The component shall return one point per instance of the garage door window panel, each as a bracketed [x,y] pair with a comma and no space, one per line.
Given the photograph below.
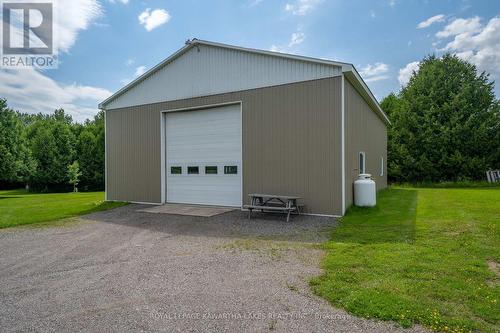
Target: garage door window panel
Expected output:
[231,170]
[193,170]
[176,170]
[211,170]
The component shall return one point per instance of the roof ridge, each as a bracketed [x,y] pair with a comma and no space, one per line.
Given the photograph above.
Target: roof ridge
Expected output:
[266,52]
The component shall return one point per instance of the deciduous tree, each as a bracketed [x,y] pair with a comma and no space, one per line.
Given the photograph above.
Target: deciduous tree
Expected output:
[445,123]
[16,163]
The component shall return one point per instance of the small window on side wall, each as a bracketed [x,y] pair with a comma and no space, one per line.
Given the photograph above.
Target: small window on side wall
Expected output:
[193,170]
[211,170]
[381,166]
[176,170]
[231,170]
[362,162]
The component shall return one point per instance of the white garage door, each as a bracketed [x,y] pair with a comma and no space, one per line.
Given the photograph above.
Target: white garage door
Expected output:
[203,154]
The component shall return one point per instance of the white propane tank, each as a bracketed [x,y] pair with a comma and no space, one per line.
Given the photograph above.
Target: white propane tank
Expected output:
[365,192]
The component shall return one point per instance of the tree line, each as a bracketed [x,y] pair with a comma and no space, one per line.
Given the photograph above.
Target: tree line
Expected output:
[445,126]
[50,152]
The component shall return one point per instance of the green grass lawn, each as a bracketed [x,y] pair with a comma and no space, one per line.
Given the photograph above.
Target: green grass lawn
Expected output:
[18,207]
[421,256]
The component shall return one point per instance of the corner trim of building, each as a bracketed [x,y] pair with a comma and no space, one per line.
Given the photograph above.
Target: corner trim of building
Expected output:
[105,158]
[162,158]
[343,145]
[241,154]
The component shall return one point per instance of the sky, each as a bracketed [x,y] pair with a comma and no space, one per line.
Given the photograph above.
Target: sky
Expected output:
[104,44]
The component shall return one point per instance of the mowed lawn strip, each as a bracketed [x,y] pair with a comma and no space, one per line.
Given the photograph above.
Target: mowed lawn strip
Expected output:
[18,207]
[421,256]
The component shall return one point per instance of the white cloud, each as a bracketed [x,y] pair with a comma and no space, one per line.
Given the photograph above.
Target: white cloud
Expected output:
[376,78]
[392,3]
[460,26]
[276,48]
[329,59]
[430,21]
[406,72]
[297,38]
[130,62]
[153,19]
[124,82]
[28,90]
[372,14]
[375,72]
[140,70]
[121,1]
[72,17]
[302,7]
[476,43]
[375,69]
[255,3]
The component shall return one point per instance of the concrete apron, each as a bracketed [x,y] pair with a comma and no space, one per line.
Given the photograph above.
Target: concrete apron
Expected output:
[189,210]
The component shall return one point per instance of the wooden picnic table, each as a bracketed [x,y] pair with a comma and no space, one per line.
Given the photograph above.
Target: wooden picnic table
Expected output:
[274,203]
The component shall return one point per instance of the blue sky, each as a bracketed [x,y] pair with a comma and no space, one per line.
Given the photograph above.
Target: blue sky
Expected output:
[108,43]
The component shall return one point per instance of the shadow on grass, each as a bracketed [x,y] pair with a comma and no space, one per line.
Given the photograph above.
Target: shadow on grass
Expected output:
[2,197]
[391,221]
[102,206]
[451,185]
[14,192]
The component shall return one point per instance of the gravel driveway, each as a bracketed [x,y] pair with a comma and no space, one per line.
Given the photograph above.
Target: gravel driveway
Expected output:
[124,270]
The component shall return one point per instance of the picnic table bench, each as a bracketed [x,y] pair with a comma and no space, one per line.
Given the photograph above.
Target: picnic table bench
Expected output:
[273,203]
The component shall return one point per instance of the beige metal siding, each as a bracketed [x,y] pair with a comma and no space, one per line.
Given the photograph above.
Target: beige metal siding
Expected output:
[291,143]
[365,131]
[133,154]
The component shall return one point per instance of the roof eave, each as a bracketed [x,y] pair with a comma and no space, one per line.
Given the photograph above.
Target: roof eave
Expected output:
[270,53]
[351,73]
[144,76]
